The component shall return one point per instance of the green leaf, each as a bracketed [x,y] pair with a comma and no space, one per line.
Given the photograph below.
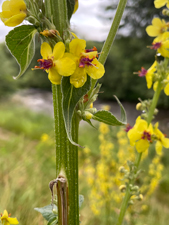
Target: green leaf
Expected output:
[47,212]
[108,118]
[20,42]
[70,98]
[70,7]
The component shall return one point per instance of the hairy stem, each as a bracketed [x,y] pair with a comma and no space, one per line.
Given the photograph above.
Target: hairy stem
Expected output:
[66,156]
[111,36]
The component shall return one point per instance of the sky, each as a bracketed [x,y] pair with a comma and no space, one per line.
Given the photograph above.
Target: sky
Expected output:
[85,22]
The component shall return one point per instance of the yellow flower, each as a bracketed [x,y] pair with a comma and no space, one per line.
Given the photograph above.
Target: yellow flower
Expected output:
[161,44]
[44,137]
[148,74]
[161,139]
[6,220]
[86,63]
[13,12]
[160,3]
[76,6]
[140,135]
[157,28]
[56,63]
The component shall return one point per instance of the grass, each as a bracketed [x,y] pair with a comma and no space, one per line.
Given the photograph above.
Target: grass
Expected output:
[27,164]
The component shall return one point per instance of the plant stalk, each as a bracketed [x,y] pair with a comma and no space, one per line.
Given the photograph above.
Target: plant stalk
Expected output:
[111,36]
[66,156]
[138,159]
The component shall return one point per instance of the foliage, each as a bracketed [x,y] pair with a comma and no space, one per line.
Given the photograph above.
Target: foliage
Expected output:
[102,174]
[18,186]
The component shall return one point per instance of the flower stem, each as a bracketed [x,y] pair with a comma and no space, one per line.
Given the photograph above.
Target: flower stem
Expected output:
[66,153]
[66,156]
[111,36]
[138,159]
[154,103]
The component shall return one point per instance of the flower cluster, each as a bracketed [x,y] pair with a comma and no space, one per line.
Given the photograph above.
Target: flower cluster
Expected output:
[76,63]
[142,135]
[158,73]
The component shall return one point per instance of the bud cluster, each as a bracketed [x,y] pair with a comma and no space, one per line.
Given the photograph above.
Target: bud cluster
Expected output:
[85,107]
[144,106]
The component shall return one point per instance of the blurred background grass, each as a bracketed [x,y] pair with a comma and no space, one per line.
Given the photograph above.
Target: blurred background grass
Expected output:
[27,164]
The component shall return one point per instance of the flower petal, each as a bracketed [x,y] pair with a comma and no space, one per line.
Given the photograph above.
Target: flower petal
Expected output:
[54,77]
[158,147]
[15,20]
[96,71]
[152,31]
[59,50]
[166,89]
[17,6]
[79,77]
[5,215]
[5,6]
[77,46]
[65,66]
[159,3]
[46,50]
[133,136]
[12,220]
[142,145]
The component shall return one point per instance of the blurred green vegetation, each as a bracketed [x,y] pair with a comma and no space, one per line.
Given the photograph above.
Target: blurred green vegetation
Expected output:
[27,164]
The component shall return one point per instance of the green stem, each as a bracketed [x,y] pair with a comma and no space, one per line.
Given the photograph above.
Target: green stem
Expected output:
[138,159]
[111,36]
[154,103]
[66,153]
[66,156]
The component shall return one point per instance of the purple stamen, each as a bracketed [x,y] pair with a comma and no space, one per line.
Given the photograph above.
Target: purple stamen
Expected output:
[156,45]
[146,135]
[45,63]
[85,61]
[143,72]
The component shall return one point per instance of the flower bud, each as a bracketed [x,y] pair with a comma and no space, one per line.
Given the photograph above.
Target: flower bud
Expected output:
[134,188]
[140,197]
[79,113]
[139,106]
[92,110]
[87,115]
[122,188]
[55,211]
[122,169]
[165,12]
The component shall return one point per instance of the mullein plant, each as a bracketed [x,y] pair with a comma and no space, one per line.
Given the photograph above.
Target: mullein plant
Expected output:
[143,134]
[73,71]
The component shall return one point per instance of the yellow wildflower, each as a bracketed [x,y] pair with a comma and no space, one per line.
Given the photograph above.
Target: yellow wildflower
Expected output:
[157,28]
[44,137]
[6,220]
[104,128]
[140,135]
[13,12]
[161,44]
[86,63]
[56,63]
[160,3]
[161,139]
[148,74]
